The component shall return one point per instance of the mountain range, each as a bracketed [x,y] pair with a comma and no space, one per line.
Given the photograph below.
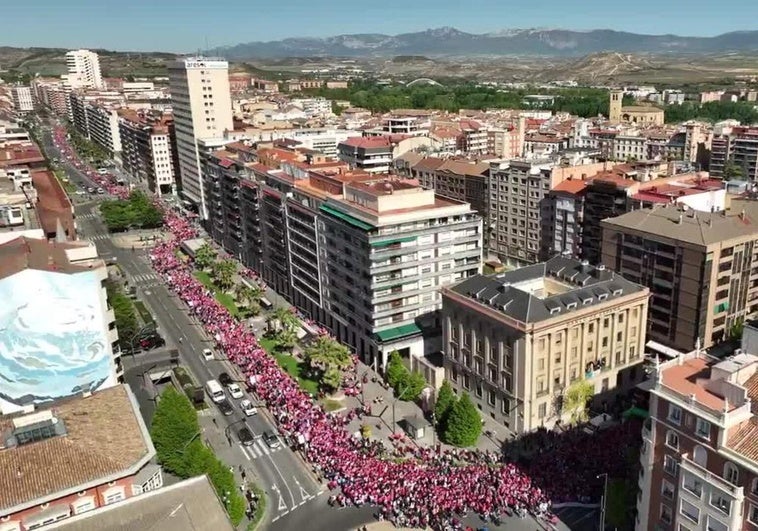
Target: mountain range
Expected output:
[449,41]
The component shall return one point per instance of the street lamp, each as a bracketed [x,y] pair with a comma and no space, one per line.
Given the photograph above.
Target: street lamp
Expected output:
[184,448]
[604,501]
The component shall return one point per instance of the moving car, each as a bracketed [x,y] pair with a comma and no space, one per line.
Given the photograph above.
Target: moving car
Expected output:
[102,171]
[247,408]
[235,391]
[207,354]
[271,439]
[215,391]
[245,436]
[225,407]
[224,379]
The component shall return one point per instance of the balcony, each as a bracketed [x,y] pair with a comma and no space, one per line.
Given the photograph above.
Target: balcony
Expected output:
[690,466]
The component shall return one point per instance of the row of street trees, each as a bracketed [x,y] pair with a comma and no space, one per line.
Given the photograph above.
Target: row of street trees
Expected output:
[137,212]
[177,438]
[222,272]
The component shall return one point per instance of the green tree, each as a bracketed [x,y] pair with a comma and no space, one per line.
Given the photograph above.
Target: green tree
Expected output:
[397,373]
[124,313]
[733,171]
[205,256]
[414,384]
[173,428]
[327,359]
[445,400]
[283,325]
[575,401]
[223,273]
[463,423]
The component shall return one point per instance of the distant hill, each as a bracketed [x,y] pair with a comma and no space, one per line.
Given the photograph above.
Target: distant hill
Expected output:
[452,42]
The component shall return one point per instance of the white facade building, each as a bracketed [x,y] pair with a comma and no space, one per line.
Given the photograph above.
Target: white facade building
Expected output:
[84,69]
[202,106]
[21,96]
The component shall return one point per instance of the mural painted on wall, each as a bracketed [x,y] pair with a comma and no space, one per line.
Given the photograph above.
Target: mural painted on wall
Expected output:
[53,337]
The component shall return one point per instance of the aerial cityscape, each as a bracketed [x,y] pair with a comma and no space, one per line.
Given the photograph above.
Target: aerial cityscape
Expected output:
[373,277]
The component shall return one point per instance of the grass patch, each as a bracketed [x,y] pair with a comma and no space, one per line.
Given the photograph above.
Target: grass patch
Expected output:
[331,405]
[226,300]
[268,344]
[296,369]
[620,498]
[260,509]
[144,313]
[65,182]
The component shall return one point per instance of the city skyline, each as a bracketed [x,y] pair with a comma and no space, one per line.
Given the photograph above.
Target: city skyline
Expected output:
[153,27]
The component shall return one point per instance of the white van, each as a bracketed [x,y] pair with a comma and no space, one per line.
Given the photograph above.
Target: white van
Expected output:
[215,391]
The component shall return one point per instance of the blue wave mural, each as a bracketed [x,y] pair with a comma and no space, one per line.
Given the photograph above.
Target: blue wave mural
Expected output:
[53,337]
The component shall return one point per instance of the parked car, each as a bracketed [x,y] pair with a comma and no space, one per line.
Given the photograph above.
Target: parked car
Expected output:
[271,439]
[225,407]
[247,408]
[245,436]
[224,379]
[90,190]
[100,191]
[235,391]
[207,354]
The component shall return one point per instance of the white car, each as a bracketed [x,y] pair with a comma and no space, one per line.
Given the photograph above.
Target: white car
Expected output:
[235,390]
[247,408]
[207,354]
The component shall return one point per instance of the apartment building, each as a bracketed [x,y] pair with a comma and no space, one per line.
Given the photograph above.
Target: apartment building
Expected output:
[389,245]
[699,460]
[519,209]
[202,107]
[517,340]
[698,266]
[735,154]
[361,254]
[102,126]
[21,98]
[564,230]
[74,456]
[83,69]
[148,152]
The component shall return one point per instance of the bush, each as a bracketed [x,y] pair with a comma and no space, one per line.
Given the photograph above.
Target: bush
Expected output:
[463,423]
[137,212]
[123,310]
[175,432]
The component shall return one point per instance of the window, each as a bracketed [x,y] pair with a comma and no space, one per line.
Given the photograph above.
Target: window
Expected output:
[669,465]
[591,328]
[113,496]
[731,473]
[692,484]
[715,525]
[82,506]
[675,414]
[672,440]
[542,411]
[721,501]
[666,515]
[752,514]
[700,456]
[703,428]
[689,511]
[667,490]
[754,487]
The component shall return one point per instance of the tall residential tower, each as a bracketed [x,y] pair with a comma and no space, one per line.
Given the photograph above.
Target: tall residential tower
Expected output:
[202,107]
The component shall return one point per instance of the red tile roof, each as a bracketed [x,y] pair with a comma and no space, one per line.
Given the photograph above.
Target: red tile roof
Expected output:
[571,186]
[53,205]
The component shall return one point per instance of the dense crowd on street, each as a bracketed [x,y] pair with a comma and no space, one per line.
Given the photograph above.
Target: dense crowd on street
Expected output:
[409,486]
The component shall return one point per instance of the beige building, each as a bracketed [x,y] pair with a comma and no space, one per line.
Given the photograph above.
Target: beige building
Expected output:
[517,340]
[698,265]
[634,114]
[202,106]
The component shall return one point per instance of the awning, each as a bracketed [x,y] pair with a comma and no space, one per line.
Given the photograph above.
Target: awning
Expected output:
[635,412]
[662,349]
[398,332]
[355,222]
[384,243]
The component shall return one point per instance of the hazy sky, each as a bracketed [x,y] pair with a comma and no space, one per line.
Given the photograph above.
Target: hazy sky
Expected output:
[186,25]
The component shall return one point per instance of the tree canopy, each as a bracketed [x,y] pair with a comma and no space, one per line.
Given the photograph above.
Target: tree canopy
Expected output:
[137,212]
[327,359]
[575,401]
[123,310]
[464,424]
[205,256]
[406,384]
[712,111]
[223,272]
[445,400]
[176,435]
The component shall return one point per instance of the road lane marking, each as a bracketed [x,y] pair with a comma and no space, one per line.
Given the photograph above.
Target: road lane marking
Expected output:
[303,494]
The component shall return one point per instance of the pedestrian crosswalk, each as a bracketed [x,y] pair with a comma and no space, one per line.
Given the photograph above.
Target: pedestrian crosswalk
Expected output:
[259,448]
[89,215]
[144,278]
[98,237]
